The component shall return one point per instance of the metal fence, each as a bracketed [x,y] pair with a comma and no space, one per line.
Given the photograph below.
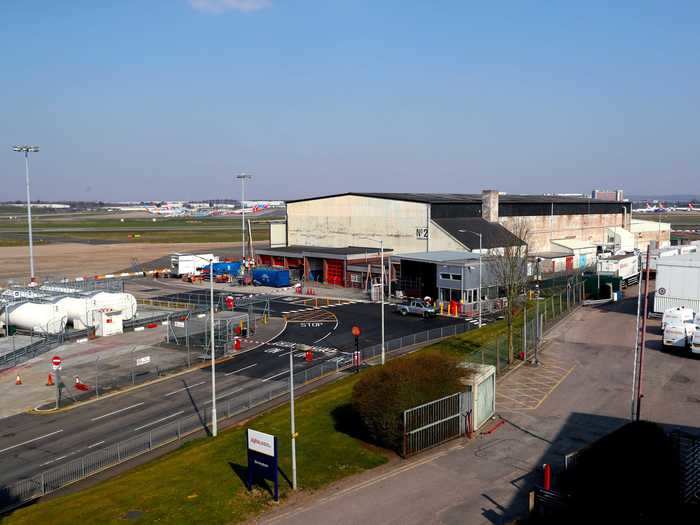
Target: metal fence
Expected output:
[433,423]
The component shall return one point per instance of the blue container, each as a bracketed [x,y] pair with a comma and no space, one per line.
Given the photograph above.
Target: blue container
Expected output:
[271,277]
[226,268]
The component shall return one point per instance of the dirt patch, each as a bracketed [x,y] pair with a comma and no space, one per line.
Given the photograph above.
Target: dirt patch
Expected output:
[55,261]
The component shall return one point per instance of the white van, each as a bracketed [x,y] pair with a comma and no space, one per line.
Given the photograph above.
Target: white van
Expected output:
[678,315]
[679,335]
[695,343]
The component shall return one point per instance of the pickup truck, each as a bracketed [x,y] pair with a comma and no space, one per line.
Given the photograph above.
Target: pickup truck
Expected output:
[416,307]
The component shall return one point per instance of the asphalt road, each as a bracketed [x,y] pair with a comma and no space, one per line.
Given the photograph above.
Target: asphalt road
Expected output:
[30,443]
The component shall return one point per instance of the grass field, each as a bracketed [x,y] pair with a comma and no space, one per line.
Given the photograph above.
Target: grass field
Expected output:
[202,482]
[141,230]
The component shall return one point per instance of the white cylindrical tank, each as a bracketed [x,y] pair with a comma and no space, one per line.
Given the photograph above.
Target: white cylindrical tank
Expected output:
[45,318]
[78,310]
[117,301]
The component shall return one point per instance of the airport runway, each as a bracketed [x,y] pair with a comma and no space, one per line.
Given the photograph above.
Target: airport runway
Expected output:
[30,443]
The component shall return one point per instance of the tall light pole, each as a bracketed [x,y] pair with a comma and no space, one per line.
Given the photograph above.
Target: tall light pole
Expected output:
[381,252]
[292,421]
[213,347]
[480,260]
[242,177]
[27,150]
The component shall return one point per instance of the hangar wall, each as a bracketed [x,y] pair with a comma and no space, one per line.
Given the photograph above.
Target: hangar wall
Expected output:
[338,222]
[544,228]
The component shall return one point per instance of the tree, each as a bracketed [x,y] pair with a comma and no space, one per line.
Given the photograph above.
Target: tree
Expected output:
[509,268]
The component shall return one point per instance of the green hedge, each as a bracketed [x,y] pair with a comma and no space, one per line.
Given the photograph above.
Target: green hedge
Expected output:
[381,396]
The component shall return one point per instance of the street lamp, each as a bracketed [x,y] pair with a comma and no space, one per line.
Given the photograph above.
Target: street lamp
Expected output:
[27,150]
[242,177]
[381,251]
[213,347]
[480,243]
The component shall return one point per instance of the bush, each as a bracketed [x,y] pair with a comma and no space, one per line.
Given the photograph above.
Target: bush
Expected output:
[381,396]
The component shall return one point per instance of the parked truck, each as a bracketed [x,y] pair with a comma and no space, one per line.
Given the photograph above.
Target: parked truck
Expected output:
[189,264]
[624,266]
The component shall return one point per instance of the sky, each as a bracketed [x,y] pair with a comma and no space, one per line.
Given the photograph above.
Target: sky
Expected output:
[170,99]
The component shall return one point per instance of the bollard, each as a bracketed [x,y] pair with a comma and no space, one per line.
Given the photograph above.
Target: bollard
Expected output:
[547,476]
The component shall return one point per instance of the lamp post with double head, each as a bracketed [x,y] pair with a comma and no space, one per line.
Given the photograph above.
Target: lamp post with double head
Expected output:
[27,150]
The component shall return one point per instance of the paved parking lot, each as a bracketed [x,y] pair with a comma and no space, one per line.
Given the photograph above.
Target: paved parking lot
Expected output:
[527,387]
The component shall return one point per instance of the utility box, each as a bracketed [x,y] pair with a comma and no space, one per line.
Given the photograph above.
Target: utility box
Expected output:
[481,393]
[108,322]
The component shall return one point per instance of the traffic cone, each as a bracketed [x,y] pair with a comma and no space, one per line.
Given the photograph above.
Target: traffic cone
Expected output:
[18,380]
[49,381]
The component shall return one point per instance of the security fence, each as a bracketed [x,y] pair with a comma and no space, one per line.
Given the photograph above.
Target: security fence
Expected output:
[193,332]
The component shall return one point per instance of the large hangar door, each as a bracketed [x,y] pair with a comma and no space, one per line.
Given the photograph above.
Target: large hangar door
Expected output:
[418,279]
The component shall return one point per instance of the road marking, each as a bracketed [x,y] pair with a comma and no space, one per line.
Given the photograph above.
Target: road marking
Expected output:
[30,441]
[159,420]
[96,444]
[276,375]
[319,340]
[184,388]
[55,459]
[224,395]
[117,411]
[241,369]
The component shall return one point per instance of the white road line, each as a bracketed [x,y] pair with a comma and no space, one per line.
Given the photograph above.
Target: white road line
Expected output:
[117,411]
[159,420]
[224,395]
[30,441]
[319,340]
[96,444]
[54,460]
[184,388]
[276,375]
[241,369]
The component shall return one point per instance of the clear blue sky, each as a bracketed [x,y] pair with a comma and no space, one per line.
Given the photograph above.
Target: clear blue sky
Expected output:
[143,99]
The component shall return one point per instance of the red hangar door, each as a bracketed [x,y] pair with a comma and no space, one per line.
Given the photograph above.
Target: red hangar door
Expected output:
[334,272]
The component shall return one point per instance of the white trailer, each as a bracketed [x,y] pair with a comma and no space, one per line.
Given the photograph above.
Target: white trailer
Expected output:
[189,264]
[655,255]
[625,266]
[678,283]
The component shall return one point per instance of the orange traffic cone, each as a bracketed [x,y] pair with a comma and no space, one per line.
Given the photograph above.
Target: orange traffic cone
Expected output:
[18,380]
[49,381]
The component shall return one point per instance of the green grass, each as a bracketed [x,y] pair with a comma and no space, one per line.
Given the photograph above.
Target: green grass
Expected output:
[191,236]
[201,481]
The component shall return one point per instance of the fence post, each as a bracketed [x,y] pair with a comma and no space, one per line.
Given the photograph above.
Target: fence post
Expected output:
[43,484]
[150,440]
[119,454]
[82,466]
[498,355]
[179,430]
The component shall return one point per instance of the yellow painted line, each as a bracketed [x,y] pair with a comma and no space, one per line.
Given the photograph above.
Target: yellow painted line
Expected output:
[555,386]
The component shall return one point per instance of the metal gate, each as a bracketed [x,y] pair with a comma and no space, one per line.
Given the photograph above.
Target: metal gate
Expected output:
[431,424]
[486,390]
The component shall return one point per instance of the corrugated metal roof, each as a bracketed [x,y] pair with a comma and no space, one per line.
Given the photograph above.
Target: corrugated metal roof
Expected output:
[573,244]
[452,198]
[441,256]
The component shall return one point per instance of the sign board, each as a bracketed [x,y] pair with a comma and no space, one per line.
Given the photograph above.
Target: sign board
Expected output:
[179,324]
[56,361]
[262,458]
[143,360]
[261,442]
[422,234]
